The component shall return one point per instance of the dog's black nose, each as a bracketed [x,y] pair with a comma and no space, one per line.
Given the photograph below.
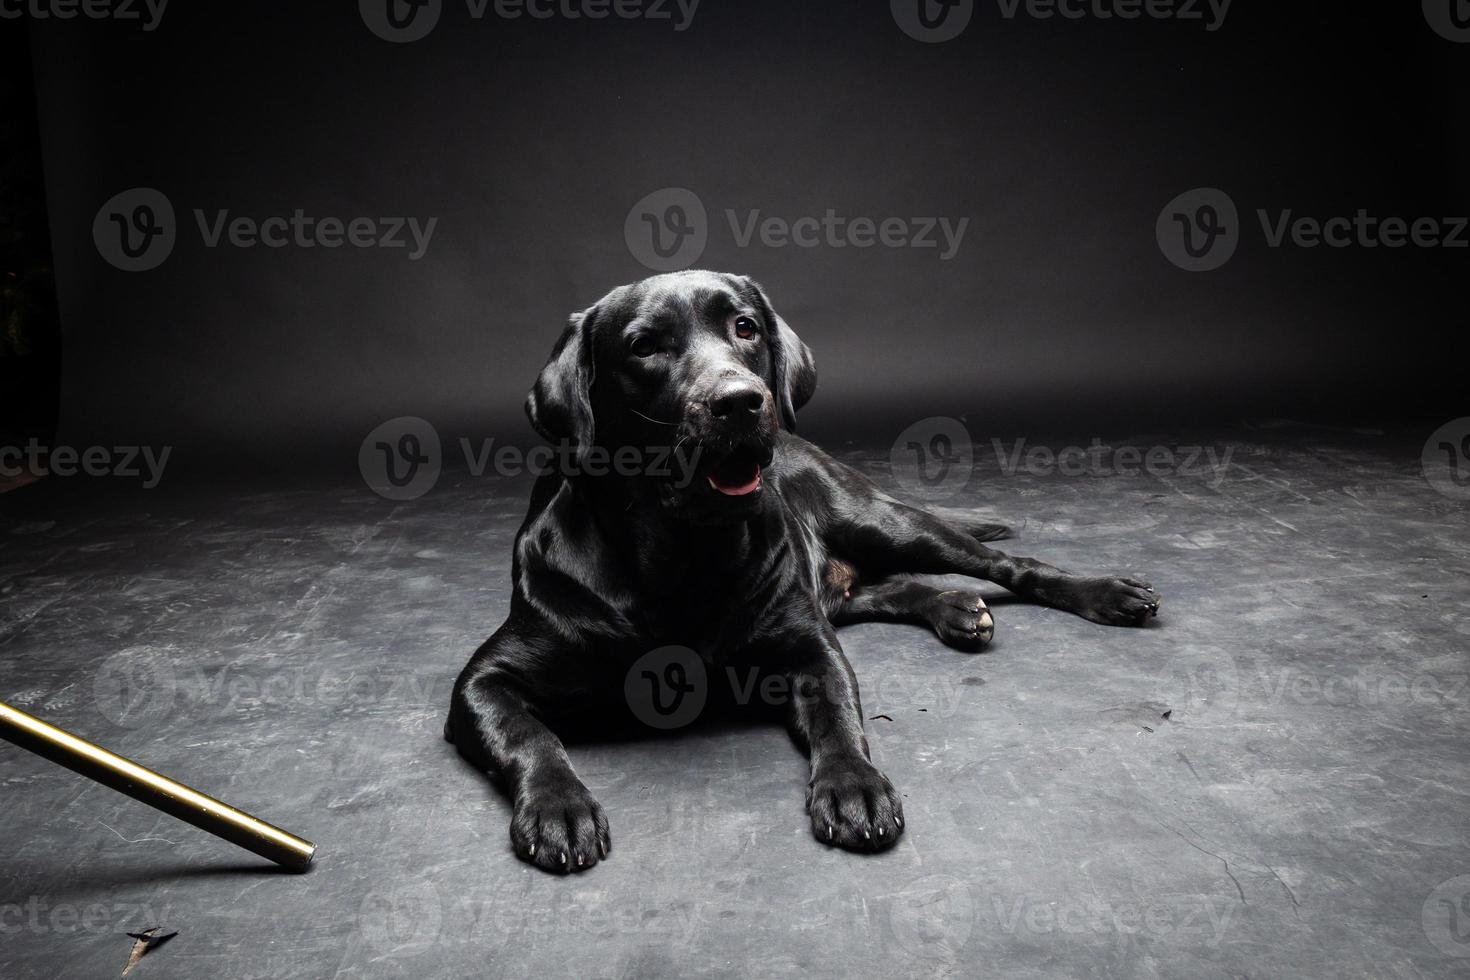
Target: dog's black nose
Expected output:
[735,397]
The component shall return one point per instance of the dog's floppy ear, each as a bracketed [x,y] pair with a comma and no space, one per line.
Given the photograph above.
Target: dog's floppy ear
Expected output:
[793,370]
[560,404]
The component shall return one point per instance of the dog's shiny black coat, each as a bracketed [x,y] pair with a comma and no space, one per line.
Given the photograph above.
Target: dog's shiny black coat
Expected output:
[612,566]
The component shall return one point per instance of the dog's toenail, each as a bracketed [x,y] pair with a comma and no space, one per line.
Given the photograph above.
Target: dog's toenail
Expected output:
[581,860]
[563,857]
[829,831]
[533,850]
[867,836]
[880,831]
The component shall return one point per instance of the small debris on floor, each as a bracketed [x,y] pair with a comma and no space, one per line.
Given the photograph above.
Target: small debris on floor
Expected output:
[144,943]
[1166,714]
[876,717]
[1148,729]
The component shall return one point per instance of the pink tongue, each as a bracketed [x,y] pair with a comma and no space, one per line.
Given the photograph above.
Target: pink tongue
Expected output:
[738,489]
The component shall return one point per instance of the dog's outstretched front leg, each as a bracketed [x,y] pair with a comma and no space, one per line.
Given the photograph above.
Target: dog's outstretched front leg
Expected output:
[556,824]
[850,802]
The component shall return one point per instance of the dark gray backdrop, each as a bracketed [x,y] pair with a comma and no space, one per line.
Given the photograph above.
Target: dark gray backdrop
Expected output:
[1060,140]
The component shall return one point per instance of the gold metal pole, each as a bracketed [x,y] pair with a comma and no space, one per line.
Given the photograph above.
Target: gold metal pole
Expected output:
[159,792]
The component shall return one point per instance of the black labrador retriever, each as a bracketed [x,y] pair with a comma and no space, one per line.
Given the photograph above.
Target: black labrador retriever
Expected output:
[752,562]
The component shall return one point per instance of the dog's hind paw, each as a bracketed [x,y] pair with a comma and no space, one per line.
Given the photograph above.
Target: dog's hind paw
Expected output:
[854,806]
[961,620]
[559,827]
[1118,601]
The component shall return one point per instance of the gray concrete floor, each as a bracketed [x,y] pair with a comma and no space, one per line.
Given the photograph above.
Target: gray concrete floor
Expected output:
[1271,781]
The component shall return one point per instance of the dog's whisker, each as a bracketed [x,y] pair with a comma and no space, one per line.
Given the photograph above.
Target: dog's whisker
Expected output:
[654,421]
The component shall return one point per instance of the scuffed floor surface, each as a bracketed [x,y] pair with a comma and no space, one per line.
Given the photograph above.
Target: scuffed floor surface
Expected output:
[1273,780]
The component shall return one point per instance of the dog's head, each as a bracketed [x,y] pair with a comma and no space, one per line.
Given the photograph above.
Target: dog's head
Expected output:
[697,362]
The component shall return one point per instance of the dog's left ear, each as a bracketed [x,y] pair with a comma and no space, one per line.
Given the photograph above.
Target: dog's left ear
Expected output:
[560,404]
[793,370]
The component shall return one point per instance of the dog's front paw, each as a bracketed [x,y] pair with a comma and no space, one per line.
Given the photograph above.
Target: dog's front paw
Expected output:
[961,620]
[1118,601]
[853,805]
[558,826]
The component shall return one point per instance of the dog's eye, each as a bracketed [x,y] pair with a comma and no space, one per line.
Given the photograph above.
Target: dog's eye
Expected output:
[643,346]
[745,328]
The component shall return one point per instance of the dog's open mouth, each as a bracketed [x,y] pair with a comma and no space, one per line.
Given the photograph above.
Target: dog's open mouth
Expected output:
[738,474]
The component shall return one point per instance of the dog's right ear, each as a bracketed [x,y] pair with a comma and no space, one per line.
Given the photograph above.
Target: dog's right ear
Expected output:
[794,371]
[560,404]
